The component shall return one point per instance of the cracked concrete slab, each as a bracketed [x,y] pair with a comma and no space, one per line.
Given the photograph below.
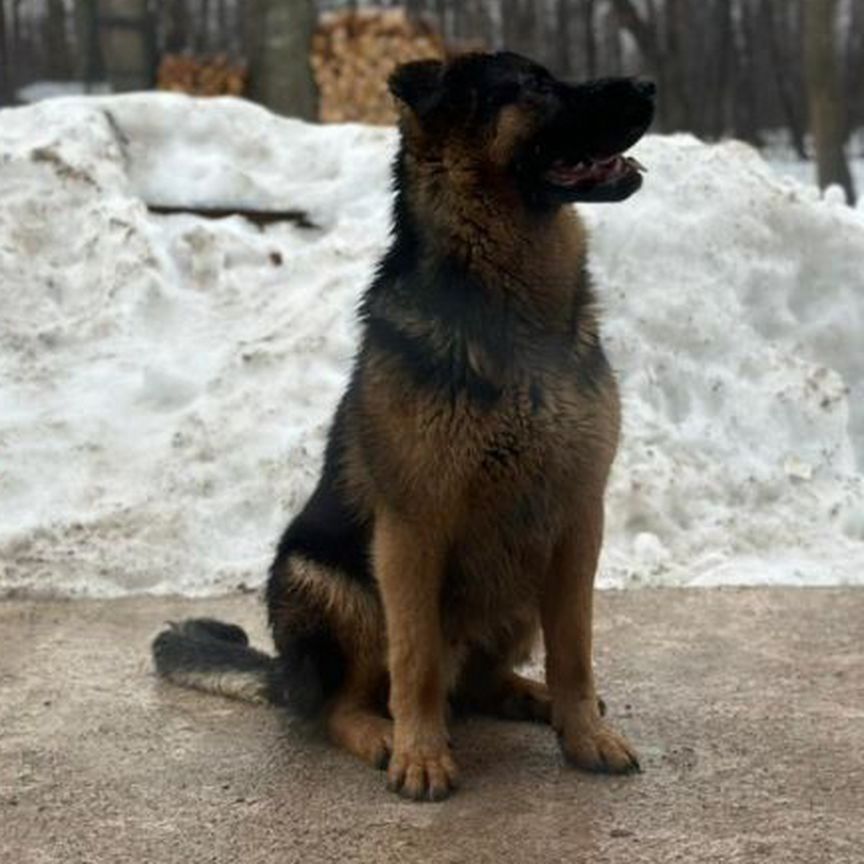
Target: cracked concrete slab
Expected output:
[747,707]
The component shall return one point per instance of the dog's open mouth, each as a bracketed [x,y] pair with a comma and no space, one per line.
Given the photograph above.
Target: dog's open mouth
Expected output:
[592,173]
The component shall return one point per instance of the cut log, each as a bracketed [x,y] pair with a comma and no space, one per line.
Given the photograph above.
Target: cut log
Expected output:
[203,75]
[354,52]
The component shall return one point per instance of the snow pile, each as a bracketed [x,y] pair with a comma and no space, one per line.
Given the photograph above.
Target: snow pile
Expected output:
[166,382]
[736,308]
[790,167]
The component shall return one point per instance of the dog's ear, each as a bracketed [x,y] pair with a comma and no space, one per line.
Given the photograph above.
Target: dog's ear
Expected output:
[418,85]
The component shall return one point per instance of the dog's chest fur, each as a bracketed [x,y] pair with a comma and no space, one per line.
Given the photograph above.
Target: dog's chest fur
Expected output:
[512,458]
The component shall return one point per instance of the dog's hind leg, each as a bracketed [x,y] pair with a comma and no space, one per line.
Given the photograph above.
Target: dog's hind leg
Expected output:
[355,715]
[488,685]
[509,696]
[361,731]
[520,698]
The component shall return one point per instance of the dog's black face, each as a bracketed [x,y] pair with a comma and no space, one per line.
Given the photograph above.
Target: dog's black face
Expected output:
[502,113]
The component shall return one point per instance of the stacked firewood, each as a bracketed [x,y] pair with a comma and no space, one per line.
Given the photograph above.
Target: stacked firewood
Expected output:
[354,52]
[202,75]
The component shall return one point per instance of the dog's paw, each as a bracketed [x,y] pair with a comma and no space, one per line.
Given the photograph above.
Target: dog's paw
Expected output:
[422,773]
[596,747]
[520,698]
[375,742]
[366,735]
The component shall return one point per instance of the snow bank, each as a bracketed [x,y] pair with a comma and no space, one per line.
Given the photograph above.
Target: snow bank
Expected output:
[166,382]
[789,166]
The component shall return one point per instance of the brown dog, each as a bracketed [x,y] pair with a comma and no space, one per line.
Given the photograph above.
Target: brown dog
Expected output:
[460,506]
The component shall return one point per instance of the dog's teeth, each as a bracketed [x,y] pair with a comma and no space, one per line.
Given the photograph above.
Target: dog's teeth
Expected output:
[637,164]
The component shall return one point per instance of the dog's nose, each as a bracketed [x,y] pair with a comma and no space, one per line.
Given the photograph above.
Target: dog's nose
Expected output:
[646,88]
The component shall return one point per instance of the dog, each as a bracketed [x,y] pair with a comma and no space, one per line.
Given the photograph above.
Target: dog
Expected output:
[459,510]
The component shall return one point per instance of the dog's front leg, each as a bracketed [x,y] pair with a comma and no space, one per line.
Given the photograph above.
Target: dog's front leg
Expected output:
[409,563]
[567,611]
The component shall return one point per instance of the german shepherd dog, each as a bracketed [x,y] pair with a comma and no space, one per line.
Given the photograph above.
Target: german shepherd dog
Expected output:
[460,505]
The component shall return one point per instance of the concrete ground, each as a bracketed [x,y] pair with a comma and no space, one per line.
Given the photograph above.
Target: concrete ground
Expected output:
[747,707]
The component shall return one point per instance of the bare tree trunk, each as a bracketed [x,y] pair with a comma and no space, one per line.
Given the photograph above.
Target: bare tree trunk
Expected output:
[224,33]
[676,78]
[495,17]
[6,94]
[13,35]
[855,66]
[646,33]
[444,19]
[91,64]
[203,29]
[827,120]
[129,51]
[57,54]
[785,90]
[590,23]
[745,119]
[610,40]
[520,26]
[16,23]
[248,25]
[177,26]
[721,56]
[563,62]
[282,74]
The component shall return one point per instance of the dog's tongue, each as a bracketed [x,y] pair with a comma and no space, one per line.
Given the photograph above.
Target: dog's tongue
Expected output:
[592,171]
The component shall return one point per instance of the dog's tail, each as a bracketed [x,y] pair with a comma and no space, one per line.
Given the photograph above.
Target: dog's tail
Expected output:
[208,655]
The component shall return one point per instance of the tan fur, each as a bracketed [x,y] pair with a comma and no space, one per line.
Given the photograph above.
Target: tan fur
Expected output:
[423,473]
[354,615]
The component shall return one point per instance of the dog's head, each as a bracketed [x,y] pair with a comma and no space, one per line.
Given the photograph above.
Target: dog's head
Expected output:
[503,119]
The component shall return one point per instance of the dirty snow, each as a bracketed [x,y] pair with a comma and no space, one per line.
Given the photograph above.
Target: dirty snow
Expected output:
[166,382]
